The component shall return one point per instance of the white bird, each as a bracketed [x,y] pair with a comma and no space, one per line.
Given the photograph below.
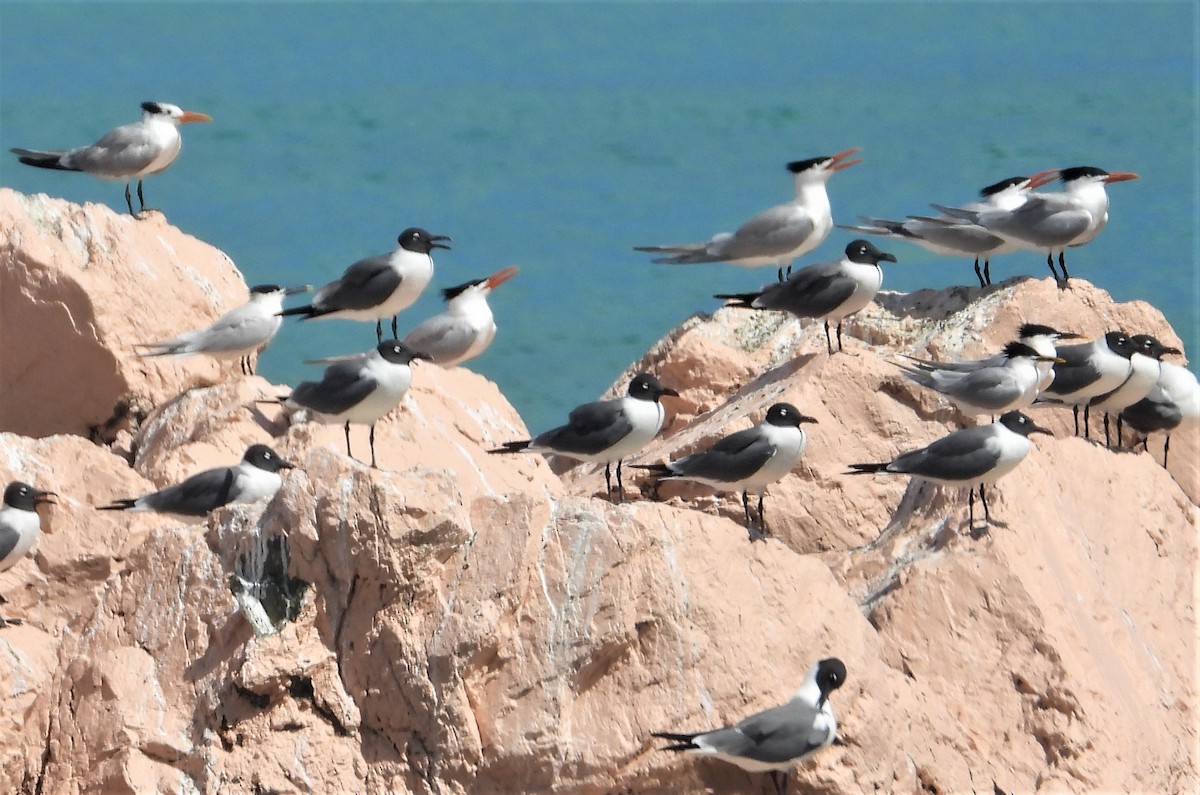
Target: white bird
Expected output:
[359,389]
[954,237]
[1088,370]
[829,291]
[378,287]
[1037,336]
[605,431]
[466,328]
[241,333]
[1173,403]
[746,461]
[20,526]
[1010,385]
[1053,222]
[776,236]
[774,740]
[1145,366]
[131,151]
[255,477]
[971,457]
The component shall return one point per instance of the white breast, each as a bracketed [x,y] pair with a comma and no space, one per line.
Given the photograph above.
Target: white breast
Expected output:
[27,525]
[254,484]
[646,417]
[868,279]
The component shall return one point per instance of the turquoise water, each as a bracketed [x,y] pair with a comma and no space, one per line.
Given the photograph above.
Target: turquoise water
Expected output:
[558,136]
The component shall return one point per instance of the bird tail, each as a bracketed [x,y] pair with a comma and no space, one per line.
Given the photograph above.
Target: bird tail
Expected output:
[118,505]
[866,469]
[920,375]
[682,742]
[739,300]
[684,254]
[957,212]
[33,157]
[513,447]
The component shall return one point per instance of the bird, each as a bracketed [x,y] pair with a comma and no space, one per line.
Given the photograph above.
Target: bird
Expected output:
[778,235]
[971,457]
[1087,370]
[242,333]
[774,740]
[129,152]
[994,389]
[255,477]
[1145,365]
[1173,403]
[378,287]
[605,431]
[747,461]
[466,328]
[360,388]
[20,526]
[955,237]
[830,291]
[1041,338]
[1053,222]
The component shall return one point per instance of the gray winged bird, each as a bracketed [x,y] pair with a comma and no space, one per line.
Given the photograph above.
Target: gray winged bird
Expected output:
[131,151]
[466,328]
[774,740]
[1041,338]
[605,431]
[1007,386]
[829,291]
[378,287]
[255,477]
[1173,403]
[971,457]
[1145,366]
[240,333]
[776,236]
[747,461]
[20,526]
[1088,370]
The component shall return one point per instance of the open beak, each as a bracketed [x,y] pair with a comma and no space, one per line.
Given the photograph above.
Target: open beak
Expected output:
[836,164]
[191,115]
[1120,176]
[300,288]
[1043,178]
[435,241]
[44,498]
[501,276]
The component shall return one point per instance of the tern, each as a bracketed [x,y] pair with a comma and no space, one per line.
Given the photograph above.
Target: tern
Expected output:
[256,477]
[466,328]
[1173,402]
[954,237]
[131,151]
[20,526]
[746,461]
[1009,385]
[605,431]
[359,388]
[242,333]
[829,291]
[1053,222]
[774,740]
[971,457]
[378,287]
[1088,370]
[776,236]
[1145,366]
[1037,336]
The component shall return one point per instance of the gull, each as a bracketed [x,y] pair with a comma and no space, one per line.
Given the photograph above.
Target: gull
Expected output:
[1145,366]
[1088,370]
[20,526]
[1173,403]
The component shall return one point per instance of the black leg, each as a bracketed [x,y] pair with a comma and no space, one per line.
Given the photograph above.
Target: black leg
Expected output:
[828,342]
[141,200]
[1087,416]
[129,201]
[1050,262]
[379,330]
[780,781]
[762,517]
[620,485]
[979,274]
[348,441]
[372,438]
[987,270]
[971,510]
[839,336]
[987,517]
[1119,440]
[393,327]
[1076,410]
[1166,449]
[1062,263]
[608,480]
[746,508]
[1107,442]
[781,273]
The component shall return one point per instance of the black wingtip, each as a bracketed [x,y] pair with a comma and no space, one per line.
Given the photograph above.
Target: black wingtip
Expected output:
[657,469]
[865,469]
[118,505]
[512,447]
[738,300]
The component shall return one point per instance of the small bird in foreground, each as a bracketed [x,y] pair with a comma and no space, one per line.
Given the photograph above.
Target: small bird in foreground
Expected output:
[241,333]
[378,287]
[1042,339]
[746,461]
[1173,403]
[20,526]
[466,328]
[829,291]
[256,477]
[776,236]
[1145,366]
[131,151]
[776,739]
[605,431]
[971,457]
[1088,370]
[1008,386]
[360,388]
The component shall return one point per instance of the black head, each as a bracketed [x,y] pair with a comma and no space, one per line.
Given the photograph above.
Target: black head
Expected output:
[831,674]
[864,252]
[1028,330]
[397,352]
[1015,349]
[1079,172]
[785,415]
[797,166]
[420,241]
[153,107]
[646,387]
[1149,346]
[1120,344]
[1004,184]
[264,289]
[1017,422]
[457,290]
[264,458]
[24,497]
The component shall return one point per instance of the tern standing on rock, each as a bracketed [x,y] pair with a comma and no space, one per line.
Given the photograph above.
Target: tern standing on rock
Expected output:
[131,151]
[466,328]
[20,526]
[1010,385]
[1042,339]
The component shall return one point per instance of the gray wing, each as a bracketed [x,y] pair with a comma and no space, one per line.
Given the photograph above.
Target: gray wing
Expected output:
[985,388]
[959,367]
[1152,413]
[343,386]
[1042,221]
[955,235]
[772,233]
[810,292]
[243,328]
[365,284]
[443,337]
[8,540]
[590,430]
[126,150]
[1075,372]
[196,496]
[963,455]
[776,736]
[735,457]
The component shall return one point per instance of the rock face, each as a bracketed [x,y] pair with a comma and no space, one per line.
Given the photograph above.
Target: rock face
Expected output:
[475,623]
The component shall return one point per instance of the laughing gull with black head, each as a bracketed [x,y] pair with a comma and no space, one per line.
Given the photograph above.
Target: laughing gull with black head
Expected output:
[241,333]
[1088,370]
[828,291]
[1173,403]
[971,457]
[255,478]
[378,287]
[20,526]
[1145,367]
[605,431]
[746,461]
[1008,386]
[466,328]
[774,740]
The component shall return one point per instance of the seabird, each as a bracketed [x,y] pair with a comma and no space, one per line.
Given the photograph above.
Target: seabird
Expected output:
[1088,370]
[20,526]
[1145,367]
[1010,385]
[1041,338]
[1173,403]
[466,328]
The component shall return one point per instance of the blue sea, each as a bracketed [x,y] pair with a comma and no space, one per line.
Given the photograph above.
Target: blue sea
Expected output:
[558,136]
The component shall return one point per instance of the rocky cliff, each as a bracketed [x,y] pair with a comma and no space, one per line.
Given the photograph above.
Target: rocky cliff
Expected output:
[458,622]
